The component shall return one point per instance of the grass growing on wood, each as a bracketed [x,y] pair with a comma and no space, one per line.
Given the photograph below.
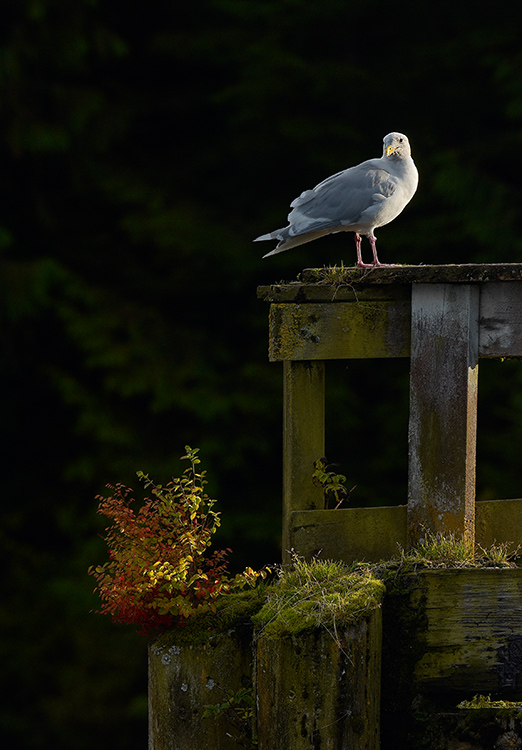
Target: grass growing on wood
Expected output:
[448,551]
[327,593]
[318,593]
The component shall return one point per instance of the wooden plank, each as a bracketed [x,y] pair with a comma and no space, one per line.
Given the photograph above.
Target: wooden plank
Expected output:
[303,439]
[469,636]
[300,293]
[443,407]
[373,534]
[449,273]
[500,320]
[369,323]
[349,534]
[339,330]
[327,283]
[498,522]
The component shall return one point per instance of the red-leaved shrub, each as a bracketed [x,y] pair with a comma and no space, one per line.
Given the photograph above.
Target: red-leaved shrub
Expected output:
[160,572]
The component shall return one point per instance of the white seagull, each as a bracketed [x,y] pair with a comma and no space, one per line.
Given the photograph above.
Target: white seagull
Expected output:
[358,199]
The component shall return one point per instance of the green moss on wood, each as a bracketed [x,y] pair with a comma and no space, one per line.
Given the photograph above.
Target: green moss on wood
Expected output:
[233,611]
[315,594]
[485,702]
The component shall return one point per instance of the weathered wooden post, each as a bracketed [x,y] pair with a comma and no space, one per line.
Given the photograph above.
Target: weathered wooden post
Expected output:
[303,440]
[321,689]
[443,409]
[186,677]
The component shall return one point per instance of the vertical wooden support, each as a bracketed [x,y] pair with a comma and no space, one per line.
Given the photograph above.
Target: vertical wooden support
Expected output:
[184,679]
[303,438]
[443,409]
[321,689]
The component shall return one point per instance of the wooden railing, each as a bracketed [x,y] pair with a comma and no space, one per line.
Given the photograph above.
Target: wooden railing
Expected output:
[444,318]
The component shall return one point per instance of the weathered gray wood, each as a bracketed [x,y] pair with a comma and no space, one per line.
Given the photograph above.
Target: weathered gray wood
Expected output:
[183,679]
[349,322]
[320,690]
[326,284]
[349,534]
[450,273]
[374,534]
[339,330]
[466,631]
[500,320]
[443,404]
[461,312]
[303,439]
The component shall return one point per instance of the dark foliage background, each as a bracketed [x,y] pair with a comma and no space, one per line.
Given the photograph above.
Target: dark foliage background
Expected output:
[142,147]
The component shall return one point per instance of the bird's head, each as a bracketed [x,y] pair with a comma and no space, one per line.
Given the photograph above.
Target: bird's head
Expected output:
[396,145]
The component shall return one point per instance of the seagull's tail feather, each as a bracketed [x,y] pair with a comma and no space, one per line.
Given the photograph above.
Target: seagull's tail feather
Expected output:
[279,234]
[286,241]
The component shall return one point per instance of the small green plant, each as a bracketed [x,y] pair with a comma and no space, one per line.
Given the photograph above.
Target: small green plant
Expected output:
[238,710]
[498,555]
[160,571]
[445,547]
[333,484]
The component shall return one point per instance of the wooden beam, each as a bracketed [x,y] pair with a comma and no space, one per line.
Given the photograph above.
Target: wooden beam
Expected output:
[443,408]
[340,330]
[349,534]
[303,439]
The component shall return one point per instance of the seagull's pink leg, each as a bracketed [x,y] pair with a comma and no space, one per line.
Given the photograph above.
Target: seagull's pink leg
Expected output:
[376,261]
[360,263]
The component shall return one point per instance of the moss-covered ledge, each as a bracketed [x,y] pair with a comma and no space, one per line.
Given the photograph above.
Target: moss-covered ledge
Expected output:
[341,282]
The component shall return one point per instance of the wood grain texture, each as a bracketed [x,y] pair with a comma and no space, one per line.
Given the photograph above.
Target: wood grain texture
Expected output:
[470,634]
[303,439]
[320,689]
[349,534]
[500,324]
[340,330]
[443,410]
[444,318]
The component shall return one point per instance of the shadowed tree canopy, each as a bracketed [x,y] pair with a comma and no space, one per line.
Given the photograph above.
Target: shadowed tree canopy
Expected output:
[142,148]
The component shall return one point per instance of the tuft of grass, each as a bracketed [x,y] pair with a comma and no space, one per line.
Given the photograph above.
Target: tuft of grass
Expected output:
[332,274]
[319,593]
[448,551]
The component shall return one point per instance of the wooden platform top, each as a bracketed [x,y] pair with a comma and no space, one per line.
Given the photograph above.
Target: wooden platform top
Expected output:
[340,282]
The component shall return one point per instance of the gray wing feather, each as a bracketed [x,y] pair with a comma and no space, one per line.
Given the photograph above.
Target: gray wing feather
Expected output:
[342,198]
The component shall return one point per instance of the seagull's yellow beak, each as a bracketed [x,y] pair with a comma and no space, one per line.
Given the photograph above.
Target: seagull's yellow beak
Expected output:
[390,150]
